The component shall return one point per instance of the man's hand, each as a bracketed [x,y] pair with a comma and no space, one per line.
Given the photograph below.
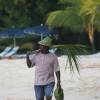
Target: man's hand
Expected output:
[28,60]
[37,51]
[28,53]
[58,85]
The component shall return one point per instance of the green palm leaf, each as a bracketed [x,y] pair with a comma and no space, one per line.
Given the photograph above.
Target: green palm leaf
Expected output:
[72,52]
[65,18]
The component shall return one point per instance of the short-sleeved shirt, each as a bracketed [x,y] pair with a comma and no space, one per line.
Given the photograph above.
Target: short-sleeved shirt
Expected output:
[45,66]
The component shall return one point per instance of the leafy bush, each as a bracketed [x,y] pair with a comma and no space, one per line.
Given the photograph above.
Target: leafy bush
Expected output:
[27,46]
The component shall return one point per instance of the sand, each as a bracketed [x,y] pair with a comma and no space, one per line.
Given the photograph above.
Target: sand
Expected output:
[17,81]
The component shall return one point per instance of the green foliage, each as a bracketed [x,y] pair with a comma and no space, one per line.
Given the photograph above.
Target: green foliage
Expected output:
[73,3]
[27,46]
[65,18]
[77,16]
[15,13]
[24,13]
[90,10]
[6,42]
[72,52]
[80,16]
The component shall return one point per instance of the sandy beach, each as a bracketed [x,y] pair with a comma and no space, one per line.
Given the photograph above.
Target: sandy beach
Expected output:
[17,81]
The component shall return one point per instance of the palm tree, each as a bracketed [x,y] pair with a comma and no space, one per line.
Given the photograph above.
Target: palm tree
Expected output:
[80,16]
[89,10]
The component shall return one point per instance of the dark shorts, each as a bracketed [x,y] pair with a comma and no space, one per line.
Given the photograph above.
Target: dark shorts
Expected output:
[43,90]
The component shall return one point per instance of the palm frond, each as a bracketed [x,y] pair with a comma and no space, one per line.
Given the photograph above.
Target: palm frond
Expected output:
[72,52]
[89,8]
[97,2]
[65,18]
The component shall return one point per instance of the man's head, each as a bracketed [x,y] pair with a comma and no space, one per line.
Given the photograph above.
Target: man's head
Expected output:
[44,49]
[45,44]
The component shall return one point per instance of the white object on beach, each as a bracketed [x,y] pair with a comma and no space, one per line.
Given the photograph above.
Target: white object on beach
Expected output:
[12,52]
[5,51]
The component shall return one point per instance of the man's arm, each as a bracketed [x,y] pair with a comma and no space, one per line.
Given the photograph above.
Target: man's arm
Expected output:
[28,61]
[58,79]
[58,76]
[57,72]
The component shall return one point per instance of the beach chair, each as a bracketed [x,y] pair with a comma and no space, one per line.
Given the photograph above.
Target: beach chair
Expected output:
[5,51]
[12,52]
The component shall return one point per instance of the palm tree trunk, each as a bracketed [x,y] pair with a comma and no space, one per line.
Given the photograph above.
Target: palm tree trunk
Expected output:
[91,37]
[92,45]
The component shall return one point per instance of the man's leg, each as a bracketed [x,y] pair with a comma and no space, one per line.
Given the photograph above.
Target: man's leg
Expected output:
[48,90]
[39,92]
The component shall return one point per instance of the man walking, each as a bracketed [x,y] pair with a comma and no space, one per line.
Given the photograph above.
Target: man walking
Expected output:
[46,64]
